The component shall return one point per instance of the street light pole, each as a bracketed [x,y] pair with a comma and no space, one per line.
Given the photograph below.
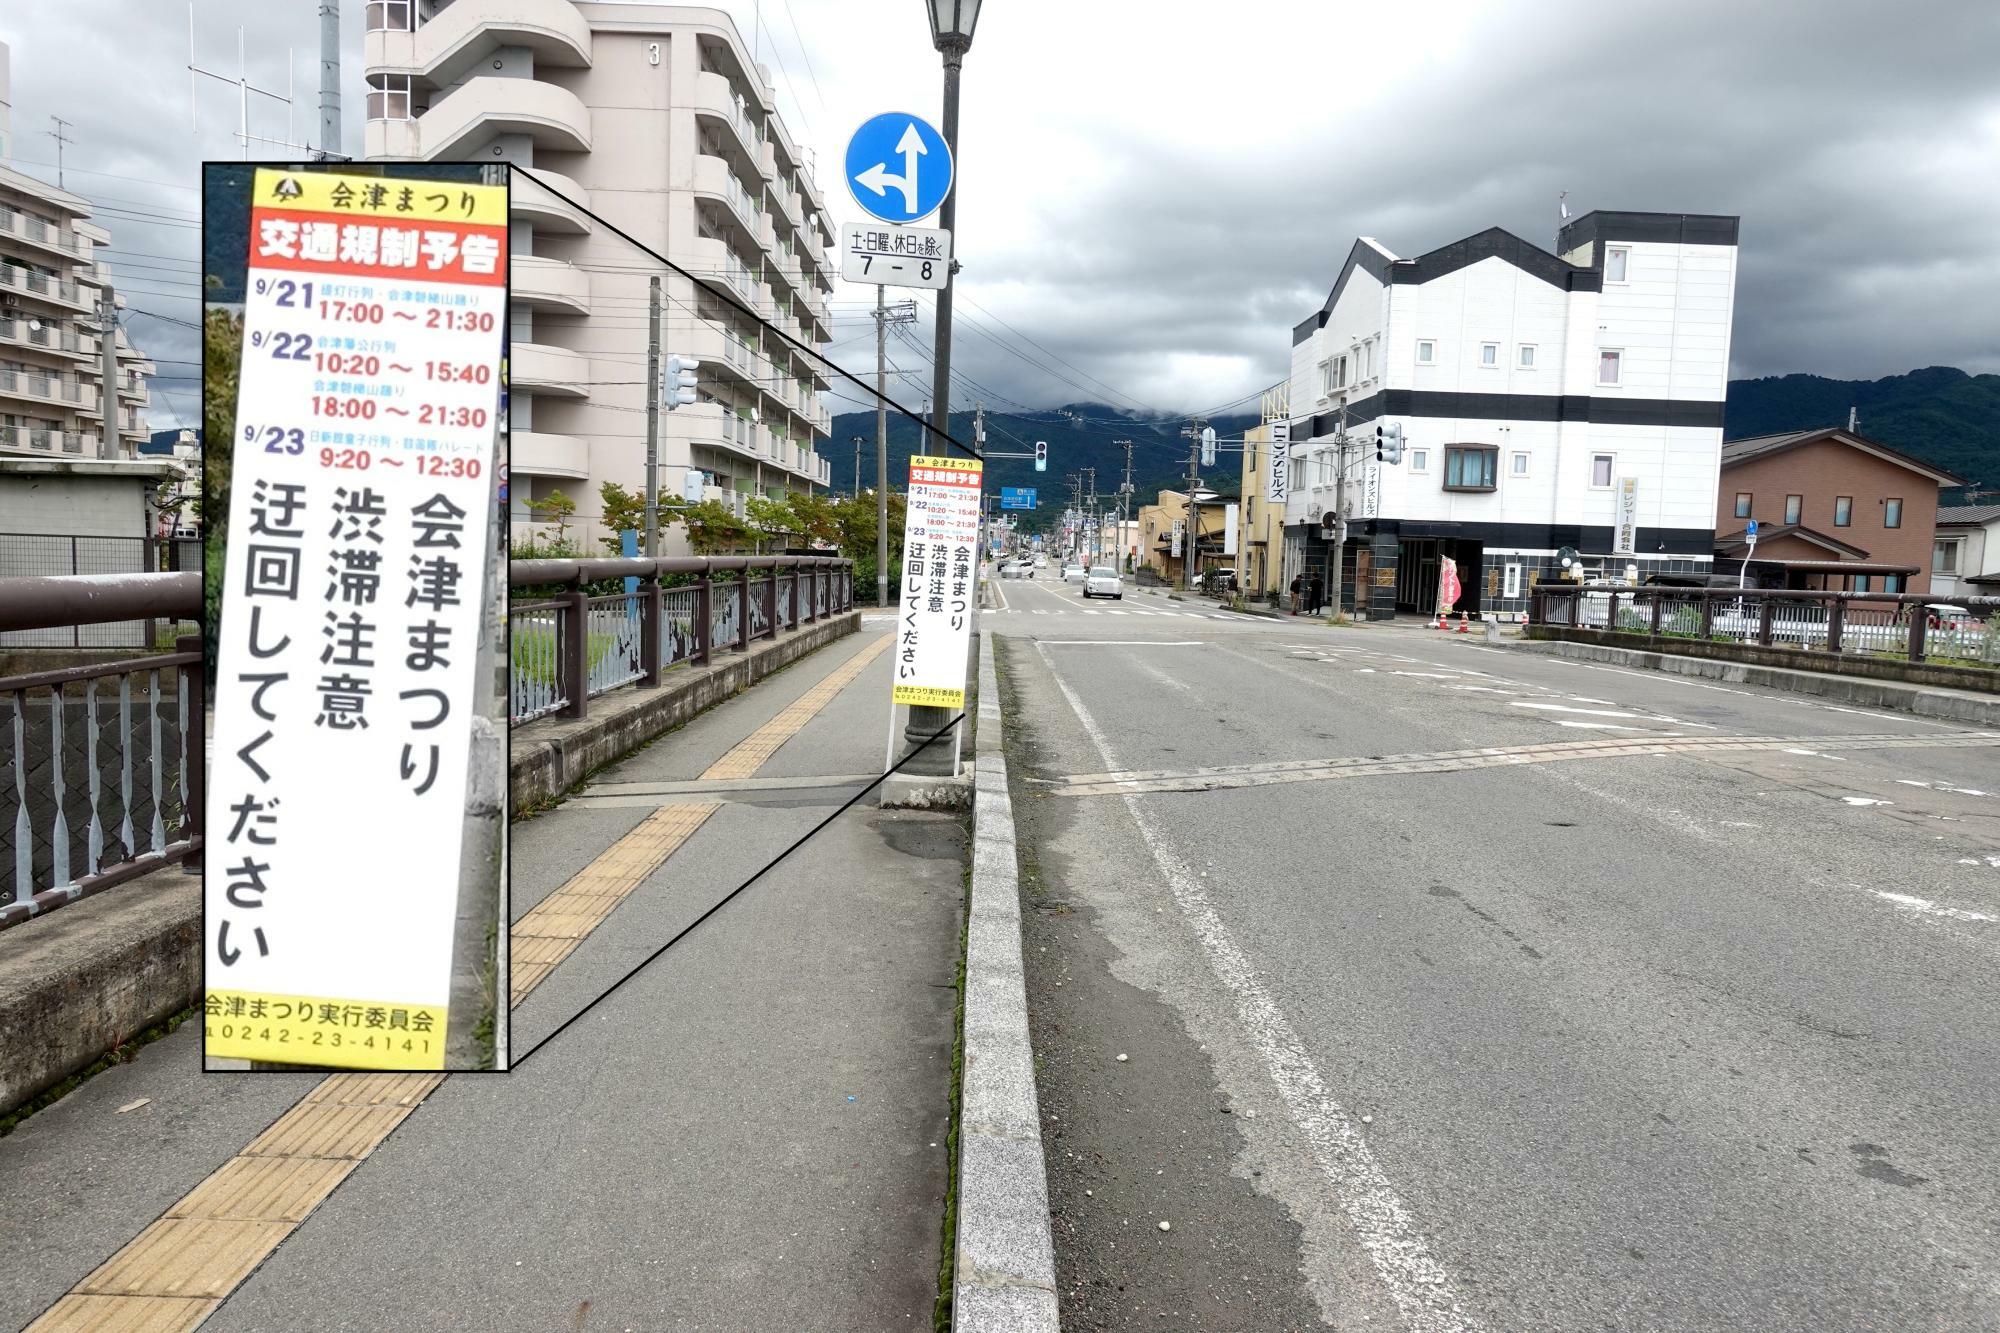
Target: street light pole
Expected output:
[951,33]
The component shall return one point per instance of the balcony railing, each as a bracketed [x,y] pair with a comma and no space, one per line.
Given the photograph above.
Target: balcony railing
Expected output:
[40,231]
[47,336]
[48,388]
[569,649]
[114,748]
[41,284]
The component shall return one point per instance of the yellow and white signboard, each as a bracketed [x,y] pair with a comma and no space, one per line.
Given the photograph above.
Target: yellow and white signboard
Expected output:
[940,581]
[360,514]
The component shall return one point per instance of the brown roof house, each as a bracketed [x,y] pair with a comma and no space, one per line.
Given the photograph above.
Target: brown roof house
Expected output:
[1834,510]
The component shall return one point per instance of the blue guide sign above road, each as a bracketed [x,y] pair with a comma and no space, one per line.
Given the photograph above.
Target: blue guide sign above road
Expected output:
[1017,497]
[898,167]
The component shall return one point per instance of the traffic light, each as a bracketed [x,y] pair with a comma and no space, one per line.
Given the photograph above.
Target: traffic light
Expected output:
[1208,446]
[677,382]
[1389,442]
[1041,455]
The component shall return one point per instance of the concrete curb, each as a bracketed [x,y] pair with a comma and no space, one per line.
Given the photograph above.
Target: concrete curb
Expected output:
[80,981]
[1924,701]
[1003,1275]
[548,756]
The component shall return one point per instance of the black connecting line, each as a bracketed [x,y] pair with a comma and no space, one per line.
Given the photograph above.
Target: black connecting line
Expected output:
[773,329]
[768,866]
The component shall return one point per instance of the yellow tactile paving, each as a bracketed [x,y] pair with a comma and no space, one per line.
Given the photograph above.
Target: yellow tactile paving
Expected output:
[265,1189]
[174,1274]
[327,1129]
[752,751]
[123,1314]
[186,1256]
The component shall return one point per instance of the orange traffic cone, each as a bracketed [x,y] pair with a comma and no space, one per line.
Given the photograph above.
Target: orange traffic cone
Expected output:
[1440,624]
[1461,624]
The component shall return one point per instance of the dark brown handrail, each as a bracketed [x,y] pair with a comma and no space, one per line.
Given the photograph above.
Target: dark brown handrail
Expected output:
[60,600]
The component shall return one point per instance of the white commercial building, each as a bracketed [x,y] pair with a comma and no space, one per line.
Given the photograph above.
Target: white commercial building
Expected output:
[1546,401]
[656,119]
[52,399]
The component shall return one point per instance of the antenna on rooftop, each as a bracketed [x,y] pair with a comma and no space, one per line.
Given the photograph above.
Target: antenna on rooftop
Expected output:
[244,88]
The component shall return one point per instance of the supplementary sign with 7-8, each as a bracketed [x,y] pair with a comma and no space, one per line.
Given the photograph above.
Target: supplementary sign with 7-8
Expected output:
[894,256]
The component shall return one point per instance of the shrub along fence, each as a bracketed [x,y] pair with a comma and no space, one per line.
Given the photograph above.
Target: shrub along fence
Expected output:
[582,628]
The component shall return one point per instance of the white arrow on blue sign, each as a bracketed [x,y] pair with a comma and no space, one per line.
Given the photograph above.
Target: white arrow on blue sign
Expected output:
[898,167]
[1751,531]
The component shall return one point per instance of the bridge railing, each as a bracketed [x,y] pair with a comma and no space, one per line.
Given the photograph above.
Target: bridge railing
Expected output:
[569,645]
[1912,626]
[100,764]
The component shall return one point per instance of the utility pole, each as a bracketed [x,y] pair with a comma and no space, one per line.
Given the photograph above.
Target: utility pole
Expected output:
[329,81]
[1193,432]
[904,313]
[857,467]
[61,139]
[1339,511]
[107,368]
[1124,501]
[653,418]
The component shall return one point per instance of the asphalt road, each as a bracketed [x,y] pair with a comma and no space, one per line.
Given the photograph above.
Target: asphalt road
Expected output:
[1471,988]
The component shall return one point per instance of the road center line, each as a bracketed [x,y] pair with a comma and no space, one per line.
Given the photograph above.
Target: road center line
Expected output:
[1416,1281]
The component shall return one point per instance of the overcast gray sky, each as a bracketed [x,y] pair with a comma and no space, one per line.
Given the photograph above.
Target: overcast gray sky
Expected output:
[1154,193]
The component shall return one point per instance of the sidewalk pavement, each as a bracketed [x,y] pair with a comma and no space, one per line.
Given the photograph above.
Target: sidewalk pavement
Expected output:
[748,1134]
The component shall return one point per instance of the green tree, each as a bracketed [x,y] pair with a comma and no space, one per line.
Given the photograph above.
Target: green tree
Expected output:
[221,371]
[623,511]
[713,530]
[557,509]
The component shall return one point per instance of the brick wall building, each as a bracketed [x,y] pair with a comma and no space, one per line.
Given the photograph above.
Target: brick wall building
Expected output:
[1834,510]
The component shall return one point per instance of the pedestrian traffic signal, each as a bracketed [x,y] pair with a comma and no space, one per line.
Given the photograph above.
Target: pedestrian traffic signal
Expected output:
[1041,455]
[677,383]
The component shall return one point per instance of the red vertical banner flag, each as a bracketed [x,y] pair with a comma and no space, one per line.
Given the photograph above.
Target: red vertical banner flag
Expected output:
[1448,587]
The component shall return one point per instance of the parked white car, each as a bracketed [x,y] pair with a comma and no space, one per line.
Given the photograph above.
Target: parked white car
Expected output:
[1103,581]
[1072,573]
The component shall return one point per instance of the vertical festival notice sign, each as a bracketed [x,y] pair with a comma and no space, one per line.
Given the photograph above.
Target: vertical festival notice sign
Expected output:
[940,581]
[359,531]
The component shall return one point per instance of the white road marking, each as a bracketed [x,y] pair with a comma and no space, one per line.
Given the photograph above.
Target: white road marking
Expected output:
[1416,1281]
[1607,712]
[1599,726]
[1910,903]
[1427,675]
[1125,643]
[1940,786]
[1863,800]
[1666,678]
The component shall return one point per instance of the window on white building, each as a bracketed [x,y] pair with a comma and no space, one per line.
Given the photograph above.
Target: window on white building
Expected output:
[1420,460]
[388,97]
[1600,471]
[1511,584]
[1520,466]
[1944,557]
[1526,359]
[1426,352]
[1616,260]
[1340,372]
[1489,355]
[1610,365]
[1368,360]
[1325,378]
[1298,478]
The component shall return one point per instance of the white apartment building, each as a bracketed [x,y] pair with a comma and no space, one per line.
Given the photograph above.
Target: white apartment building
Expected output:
[51,281]
[1546,400]
[655,118]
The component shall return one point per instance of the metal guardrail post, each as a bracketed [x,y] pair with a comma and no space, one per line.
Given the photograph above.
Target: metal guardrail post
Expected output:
[1707,617]
[741,643]
[650,621]
[193,689]
[1920,623]
[1659,603]
[1836,620]
[1767,610]
[1611,612]
[795,596]
[704,601]
[573,654]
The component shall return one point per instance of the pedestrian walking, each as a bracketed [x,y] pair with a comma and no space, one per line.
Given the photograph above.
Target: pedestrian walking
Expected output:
[1315,596]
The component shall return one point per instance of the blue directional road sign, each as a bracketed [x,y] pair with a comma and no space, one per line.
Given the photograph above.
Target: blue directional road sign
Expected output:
[1017,497]
[898,167]
[1751,531]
